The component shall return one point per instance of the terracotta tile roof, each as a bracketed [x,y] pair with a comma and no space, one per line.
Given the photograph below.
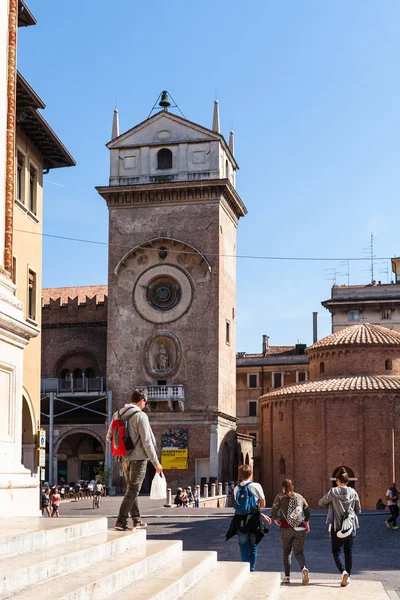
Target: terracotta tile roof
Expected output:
[339,384]
[359,335]
[80,292]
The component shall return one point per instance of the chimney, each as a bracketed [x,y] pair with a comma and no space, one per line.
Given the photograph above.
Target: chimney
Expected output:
[315,327]
[265,344]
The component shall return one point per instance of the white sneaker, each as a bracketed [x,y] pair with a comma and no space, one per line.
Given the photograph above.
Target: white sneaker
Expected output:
[305,579]
[286,580]
[345,579]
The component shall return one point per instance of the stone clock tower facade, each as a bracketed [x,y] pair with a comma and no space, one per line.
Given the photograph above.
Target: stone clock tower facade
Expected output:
[173,214]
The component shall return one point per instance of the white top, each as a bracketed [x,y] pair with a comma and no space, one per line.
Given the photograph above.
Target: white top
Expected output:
[391,502]
[255,488]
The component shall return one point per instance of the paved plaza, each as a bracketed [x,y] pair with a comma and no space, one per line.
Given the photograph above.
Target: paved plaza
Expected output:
[376,548]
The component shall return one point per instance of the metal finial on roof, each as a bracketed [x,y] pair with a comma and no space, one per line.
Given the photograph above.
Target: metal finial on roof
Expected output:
[115,125]
[215,125]
[231,142]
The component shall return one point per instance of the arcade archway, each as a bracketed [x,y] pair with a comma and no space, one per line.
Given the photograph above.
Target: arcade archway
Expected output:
[78,456]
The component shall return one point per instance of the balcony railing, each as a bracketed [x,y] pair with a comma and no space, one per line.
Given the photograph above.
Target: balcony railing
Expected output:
[74,385]
[167,393]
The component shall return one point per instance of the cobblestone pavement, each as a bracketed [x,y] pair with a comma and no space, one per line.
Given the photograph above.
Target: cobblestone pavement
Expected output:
[376,548]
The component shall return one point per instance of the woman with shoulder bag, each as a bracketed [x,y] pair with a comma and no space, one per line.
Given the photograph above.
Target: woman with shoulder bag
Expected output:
[343,505]
[293,520]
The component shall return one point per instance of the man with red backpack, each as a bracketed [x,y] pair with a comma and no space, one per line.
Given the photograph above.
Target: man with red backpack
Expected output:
[132,439]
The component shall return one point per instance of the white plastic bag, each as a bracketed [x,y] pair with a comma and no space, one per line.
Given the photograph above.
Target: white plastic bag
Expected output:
[158,487]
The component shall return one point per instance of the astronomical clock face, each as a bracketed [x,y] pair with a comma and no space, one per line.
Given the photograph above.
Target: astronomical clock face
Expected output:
[163,293]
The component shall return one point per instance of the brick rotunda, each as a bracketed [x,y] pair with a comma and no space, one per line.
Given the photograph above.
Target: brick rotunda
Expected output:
[348,413]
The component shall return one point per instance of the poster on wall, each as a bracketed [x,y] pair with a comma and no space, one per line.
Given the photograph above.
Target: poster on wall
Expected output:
[174,449]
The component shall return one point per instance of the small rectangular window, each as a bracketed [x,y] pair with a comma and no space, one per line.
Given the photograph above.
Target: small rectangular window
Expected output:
[354,315]
[20,178]
[252,409]
[32,295]
[386,314]
[252,381]
[228,333]
[32,190]
[277,380]
[301,376]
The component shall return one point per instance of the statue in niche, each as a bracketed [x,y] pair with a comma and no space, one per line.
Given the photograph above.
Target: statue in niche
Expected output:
[163,363]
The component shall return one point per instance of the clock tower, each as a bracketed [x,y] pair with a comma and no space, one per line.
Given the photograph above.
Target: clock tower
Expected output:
[173,214]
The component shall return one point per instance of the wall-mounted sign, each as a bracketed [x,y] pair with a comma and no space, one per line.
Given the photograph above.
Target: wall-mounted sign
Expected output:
[174,458]
[42,438]
[42,457]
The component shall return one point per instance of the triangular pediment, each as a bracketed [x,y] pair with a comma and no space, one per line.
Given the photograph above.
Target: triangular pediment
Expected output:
[164,128]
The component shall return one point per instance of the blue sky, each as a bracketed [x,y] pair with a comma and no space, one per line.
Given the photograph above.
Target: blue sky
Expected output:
[312,90]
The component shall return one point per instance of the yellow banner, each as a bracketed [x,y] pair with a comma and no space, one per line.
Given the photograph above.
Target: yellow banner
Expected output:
[174,458]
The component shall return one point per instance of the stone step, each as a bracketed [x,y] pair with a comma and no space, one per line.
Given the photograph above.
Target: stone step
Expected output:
[103,579]
[329,589]
[170,582]
[26,534]
[261,585]
[34,567]
[221,583]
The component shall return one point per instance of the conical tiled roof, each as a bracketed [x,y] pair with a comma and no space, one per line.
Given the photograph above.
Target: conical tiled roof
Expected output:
[339,384]
[359,335]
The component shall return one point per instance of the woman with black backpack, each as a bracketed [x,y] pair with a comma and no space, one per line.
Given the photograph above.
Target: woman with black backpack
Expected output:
[343,506]
[293,520]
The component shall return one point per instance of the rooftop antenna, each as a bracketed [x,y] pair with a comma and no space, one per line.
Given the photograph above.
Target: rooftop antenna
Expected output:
[164,101]
[385,269]
[332,274]
[369,250]
[345,263]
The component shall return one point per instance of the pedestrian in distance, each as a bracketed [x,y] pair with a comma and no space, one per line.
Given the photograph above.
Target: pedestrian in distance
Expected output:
[55,503]
[196,498]
[77,491]
[249,524]
[189,494]
[291,514]
[184,498]
[343,506]
[46,502]
[141,448]
[178,498]
[392,497]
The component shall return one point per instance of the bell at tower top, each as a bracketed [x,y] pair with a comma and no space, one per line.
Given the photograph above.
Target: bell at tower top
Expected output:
[168,148]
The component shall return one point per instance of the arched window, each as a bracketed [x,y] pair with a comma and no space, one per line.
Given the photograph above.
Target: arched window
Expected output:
[65,374]
[280,415]
[89,373]
[282,466]
[77,373]
[164,159]
[388,364]
[247,459]
[322,367]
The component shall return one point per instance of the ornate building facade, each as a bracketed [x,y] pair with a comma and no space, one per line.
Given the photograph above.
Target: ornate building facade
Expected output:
[27,146]
[347,414]
[173,214]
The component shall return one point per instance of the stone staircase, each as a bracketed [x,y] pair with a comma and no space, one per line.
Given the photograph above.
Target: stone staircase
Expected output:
[80,559]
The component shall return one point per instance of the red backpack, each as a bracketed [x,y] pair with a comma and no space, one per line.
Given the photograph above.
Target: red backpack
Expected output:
[120,439]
